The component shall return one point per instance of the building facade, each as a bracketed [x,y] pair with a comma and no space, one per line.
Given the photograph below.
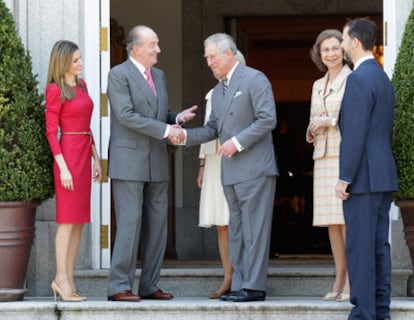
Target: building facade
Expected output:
[181,25]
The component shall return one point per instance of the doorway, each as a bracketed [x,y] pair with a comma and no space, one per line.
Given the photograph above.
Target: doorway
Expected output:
[279,46]
[118,34]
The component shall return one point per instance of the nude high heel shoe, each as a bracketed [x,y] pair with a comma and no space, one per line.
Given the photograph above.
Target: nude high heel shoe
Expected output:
[331,295]
[56,289]
[343,297]
[80,295]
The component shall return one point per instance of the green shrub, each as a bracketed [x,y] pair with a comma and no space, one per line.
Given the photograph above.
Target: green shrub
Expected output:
[25,158]
[403,137]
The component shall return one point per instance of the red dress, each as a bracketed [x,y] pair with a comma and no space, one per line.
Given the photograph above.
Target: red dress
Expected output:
[73,117]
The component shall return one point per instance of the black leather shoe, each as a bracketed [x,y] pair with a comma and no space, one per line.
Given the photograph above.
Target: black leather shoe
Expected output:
[225,296]
[245,295]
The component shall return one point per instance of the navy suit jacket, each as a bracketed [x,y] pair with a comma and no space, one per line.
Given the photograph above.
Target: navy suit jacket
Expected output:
[366,124]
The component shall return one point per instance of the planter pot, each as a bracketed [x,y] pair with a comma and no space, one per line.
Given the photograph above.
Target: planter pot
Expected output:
[407,215]
[17,231]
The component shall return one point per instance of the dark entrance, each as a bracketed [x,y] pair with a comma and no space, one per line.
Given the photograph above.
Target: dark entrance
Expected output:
[279,46]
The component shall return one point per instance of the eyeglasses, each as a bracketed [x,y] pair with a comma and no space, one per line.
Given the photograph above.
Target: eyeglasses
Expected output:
[213,56]
[328,50]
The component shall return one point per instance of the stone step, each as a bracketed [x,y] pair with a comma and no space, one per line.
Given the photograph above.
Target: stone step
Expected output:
[286,280]
[191,308]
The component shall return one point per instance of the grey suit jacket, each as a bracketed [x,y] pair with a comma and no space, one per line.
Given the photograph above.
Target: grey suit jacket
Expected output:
[137,149]
[248,112]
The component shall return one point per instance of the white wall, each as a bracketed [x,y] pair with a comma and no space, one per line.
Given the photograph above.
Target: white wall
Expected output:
[9,3]
[396,13]
[41,23]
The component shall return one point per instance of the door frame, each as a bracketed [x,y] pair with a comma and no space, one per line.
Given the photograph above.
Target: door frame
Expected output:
[97,62]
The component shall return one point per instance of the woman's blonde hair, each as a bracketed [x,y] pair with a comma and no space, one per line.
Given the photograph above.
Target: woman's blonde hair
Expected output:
[59,63]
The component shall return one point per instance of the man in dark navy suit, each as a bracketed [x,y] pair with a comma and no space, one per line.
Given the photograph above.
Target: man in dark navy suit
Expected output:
[367,174]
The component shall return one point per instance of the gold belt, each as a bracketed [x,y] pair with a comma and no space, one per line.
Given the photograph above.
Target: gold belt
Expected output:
[80,132]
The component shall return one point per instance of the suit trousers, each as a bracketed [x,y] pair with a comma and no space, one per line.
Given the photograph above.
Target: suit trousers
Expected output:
[251,211]
[141,210]
[368,254]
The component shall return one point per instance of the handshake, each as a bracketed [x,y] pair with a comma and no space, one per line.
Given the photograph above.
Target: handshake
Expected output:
[176,135]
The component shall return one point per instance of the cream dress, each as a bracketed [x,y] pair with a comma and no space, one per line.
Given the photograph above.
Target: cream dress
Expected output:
[327,208]
[213,205]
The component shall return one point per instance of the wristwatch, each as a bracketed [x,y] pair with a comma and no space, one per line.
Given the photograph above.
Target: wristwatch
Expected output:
[333,122]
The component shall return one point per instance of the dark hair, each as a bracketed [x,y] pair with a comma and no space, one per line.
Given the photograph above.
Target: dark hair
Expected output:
[364,30]
[315,52]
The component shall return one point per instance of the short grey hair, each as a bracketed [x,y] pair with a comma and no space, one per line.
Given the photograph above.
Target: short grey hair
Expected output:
[223,42]
[134,37]
[240,57]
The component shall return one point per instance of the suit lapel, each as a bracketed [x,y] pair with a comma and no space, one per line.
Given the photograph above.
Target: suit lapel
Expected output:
[227,99]
[143,85]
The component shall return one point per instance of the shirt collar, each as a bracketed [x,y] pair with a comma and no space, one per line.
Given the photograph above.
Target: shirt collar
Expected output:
[363,59]
[230,74]
[140,67]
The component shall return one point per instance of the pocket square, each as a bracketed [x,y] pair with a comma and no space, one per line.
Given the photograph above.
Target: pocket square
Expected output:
[238,93]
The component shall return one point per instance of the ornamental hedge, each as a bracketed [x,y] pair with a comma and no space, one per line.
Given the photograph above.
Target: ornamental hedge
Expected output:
[403,136]
[25,158]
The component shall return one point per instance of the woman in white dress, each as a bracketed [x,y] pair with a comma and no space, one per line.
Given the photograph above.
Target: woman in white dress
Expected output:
[213,205]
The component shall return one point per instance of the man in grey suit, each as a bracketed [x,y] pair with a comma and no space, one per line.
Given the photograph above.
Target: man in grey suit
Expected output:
[243,117]
[138,166]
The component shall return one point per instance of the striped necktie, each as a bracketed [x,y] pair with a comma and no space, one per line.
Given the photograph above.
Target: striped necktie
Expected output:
[225,85]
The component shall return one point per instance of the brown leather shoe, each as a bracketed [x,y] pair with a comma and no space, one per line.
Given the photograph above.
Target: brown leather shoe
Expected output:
[159,295]
[126,296]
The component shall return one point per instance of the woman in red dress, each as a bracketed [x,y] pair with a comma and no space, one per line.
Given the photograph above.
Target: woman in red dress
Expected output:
[69,107]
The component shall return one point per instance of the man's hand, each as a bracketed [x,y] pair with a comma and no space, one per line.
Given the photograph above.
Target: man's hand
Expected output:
[227,149]
[176,135]
[340,190]
[187,114]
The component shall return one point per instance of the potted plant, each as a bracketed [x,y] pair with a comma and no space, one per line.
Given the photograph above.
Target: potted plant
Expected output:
[26,176]
[403,136]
